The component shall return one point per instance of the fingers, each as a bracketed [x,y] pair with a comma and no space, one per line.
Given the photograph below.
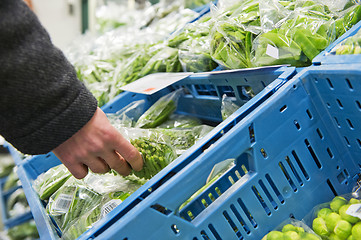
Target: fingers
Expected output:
[117,162]
[128,152]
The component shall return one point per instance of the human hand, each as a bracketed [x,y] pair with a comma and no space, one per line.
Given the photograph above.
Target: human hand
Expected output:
[98,146]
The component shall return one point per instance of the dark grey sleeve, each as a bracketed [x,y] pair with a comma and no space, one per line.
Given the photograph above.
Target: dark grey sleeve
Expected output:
[42,103]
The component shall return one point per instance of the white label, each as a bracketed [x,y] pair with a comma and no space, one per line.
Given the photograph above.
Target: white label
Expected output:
[272,51]
[62,202]
[154,82]
[109,206]
[354,210]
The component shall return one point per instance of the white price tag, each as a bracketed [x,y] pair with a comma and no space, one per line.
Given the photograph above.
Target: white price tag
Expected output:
[272,51]
[354,210]
[62,203]
[109,206]
[154,82]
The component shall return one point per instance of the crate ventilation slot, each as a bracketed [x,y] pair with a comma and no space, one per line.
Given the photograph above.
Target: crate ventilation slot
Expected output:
[358,105]
[268,195]
[348,82]
[339,103]
[313,154]
[287,176]
[359,142]
[226,90]
[275,189]
[161,209]
[331,187]
[247,213]
[347,141]
[319,133]
[309,114]
[252,137]
[175,229]
[245,92]
[293,169]
[297,124]
[329,83]
[300,165]
[350,125]
[205,90]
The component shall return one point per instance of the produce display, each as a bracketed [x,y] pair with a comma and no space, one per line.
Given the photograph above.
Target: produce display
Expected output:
[234,34]
[351,45]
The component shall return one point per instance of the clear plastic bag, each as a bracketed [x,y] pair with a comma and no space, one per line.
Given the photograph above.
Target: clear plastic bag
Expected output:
[71,201]
[17,203]
[50,181]
[292,229]
[337,219]
[351,45]
[160,111]
[127,116]
[233,32]
[228,107]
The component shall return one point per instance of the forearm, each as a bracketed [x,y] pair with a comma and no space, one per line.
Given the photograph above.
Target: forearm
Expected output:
[42,103]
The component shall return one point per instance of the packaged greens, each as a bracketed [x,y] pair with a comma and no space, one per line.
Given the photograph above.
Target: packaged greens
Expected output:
[50,181]
[351,45]
[156,156]
[292,229]
[6,166]
[180,121]
[307,29]
[87,220]
[11,181]
[24,231]
[17,204]
[337,219]
[71,201]
[127,116]
[160,111]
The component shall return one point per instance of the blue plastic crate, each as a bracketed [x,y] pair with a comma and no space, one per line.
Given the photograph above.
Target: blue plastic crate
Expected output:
[326,57]
[203,100]
[8,221]
[299,148]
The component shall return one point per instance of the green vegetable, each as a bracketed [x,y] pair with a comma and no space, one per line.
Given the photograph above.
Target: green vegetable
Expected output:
[356,231]
[160,111]
[332,220]
[345,216]
[23,231]
[49,182]
[343,229]
[11,181]
[319,226]
[156,156]
[337,203]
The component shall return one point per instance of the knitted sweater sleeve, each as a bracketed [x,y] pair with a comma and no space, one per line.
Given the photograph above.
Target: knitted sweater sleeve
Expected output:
[42,103]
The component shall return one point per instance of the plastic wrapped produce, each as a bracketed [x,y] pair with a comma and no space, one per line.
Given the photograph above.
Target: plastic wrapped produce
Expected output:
[351,45]
[49,182]
[71,201]
[160,111]
[337,219]
[17,204]
[292,229]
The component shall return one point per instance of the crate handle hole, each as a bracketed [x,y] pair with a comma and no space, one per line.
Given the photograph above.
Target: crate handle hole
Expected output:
[175,229]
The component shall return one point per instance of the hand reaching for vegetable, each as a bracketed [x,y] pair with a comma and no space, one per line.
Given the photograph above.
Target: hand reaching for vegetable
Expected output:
[98,146]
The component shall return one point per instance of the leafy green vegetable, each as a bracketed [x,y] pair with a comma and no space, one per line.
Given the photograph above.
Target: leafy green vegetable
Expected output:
[160,111]
[156,156]
[49,182]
